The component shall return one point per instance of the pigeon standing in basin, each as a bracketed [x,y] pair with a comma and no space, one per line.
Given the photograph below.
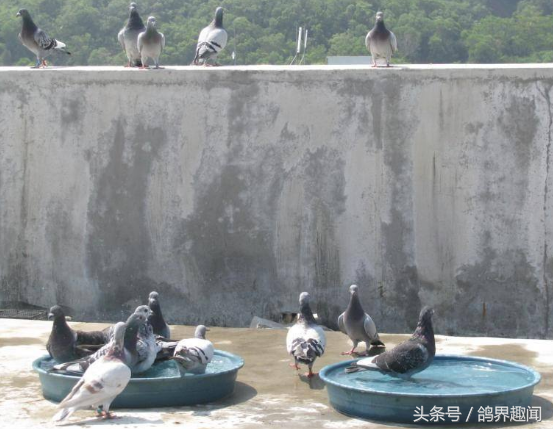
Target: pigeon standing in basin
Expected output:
[212,40]
[128,37]
[101,383]
[305,340]
[37,41]
[380,41]
[357,324]
[151,43]
[156,317]
[407,358]
[66,344]
[194,353]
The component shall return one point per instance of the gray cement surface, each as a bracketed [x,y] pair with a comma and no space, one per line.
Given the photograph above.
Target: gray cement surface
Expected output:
[268,392]
[231,190]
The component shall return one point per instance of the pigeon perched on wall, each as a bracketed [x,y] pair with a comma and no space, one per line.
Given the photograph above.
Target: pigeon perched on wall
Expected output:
[305,340]
[66,344]
[407,358]
[128,37]
[156,317]
[380,41]
[101,383]
[194,353]
[151,43]
[357,324]
[37,41]
[131,356]
[212,40]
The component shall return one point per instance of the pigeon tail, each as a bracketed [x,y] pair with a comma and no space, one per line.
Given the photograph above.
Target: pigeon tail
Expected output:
[62,47]
[62,414]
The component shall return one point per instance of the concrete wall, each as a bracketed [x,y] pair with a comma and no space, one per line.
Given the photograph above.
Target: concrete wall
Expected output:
[230,191]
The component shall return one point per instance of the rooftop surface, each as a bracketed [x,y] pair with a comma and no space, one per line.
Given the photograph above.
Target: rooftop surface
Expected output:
[268,392]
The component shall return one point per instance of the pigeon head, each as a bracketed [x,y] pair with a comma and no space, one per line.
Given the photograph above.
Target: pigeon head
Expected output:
[143,310]
[133,7]
[55,312]
[304,298]
[219,17]
[152,23]
[379,16]
[137,319]
[23,13]
[200,332]
[353,289]
[425,317]
[153,295]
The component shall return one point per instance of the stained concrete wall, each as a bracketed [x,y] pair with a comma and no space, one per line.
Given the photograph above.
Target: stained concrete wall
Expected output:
[232,190]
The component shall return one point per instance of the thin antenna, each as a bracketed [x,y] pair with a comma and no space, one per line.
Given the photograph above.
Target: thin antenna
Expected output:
[298,49]
[304,46]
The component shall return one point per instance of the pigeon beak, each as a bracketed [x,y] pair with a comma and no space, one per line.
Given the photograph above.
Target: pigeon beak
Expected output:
[50,316]
[18,14]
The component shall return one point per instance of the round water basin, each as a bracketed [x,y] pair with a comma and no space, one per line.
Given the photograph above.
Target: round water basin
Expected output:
[456,386]
[160,386]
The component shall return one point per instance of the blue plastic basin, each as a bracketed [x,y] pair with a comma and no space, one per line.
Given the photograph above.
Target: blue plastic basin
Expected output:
[451,381]
[160,386]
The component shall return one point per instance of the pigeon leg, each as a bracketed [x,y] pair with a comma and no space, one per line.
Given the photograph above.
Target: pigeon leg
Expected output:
[311,374]
[109,415]
[44,63]
[295,365]
[352,351]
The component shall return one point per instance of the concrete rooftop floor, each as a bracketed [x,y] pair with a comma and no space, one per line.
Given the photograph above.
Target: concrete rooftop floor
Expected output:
[268,393]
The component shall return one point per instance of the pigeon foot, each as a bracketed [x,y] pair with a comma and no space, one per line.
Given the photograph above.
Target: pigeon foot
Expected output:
[295,366]
[311,374]
[349,353]
[106,415]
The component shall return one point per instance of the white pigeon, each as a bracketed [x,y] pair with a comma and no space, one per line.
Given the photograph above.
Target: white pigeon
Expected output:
[101,383]
[380,41]
[212,40]
[151,43]
[305,340]
[194,353]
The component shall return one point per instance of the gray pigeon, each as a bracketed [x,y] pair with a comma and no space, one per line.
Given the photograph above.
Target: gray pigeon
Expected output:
[37,41]
[212,40]
[195,353]
[407,358]
[156,317]
[131,356]
[357,324]
[101,383]
[151,43]
[305,340]
[128,37]
[66,344]
[380,41]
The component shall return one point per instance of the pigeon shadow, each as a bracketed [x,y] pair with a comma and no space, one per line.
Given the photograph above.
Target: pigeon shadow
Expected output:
[127,420]
[242,393]
[315,383]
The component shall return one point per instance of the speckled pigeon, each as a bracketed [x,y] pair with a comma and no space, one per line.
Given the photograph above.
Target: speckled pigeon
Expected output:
[380,41]
[212,40]
[407,358]
[128,37]
[194,353]
[66,344]
[37,41]
[357,324]
[101,383]
[305,340]
[156,316]
[151,43]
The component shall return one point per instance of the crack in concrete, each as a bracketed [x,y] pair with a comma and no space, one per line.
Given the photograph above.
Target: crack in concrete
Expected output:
[547,98]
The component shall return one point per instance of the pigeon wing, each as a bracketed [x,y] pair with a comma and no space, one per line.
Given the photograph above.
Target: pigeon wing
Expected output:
[162,41]
[370,327]
[43,41]
[393,42]
[139,42]
[405,357]
[121,38]
[341,323]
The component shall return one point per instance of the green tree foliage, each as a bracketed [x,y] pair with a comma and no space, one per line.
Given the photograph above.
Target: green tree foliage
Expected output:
[265,31]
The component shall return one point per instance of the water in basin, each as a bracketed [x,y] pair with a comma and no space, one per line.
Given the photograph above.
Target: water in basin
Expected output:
[443,377]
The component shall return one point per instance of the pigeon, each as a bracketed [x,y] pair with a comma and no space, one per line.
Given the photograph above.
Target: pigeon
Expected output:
[150,43]
[212,40]
[357,324]
[66,344]
[408,358]
[305,340]
[380,41]
[128,37]
[101,383]
[37,41]
[147,349]
[194,353]
[144,310]
[156,317]
[132,351]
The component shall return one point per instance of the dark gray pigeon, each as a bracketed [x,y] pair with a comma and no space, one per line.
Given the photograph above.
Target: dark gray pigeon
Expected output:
[66,344]
[151,43]
[407,358]
[357,324]
[128,37]
[156,317]
[212,40]
[131,355]
[380,41]
[37,41]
